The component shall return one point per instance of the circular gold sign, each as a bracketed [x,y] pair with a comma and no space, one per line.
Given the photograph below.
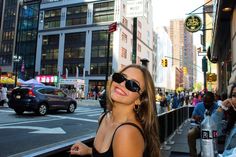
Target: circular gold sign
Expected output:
[193,23]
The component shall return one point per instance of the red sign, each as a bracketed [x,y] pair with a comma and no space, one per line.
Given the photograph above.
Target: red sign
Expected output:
[112,27]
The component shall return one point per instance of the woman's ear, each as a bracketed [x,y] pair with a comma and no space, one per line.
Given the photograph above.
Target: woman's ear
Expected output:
[137,101]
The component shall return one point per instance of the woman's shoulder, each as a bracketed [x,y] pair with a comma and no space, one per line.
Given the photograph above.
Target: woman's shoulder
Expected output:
[129,130]
[128,139]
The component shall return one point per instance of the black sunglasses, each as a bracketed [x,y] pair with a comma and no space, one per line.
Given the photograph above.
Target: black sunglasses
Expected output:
[129,84]
[234,95]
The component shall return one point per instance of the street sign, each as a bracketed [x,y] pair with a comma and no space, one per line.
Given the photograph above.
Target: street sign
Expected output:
[112,27]
[134,8]
[193,23]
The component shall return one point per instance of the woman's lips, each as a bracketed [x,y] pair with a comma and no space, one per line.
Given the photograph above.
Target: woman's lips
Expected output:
[119,91]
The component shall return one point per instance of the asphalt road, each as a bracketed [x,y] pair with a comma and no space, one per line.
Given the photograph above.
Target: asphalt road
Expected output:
[22,133]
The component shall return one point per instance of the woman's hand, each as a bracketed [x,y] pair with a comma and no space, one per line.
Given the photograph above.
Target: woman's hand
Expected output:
[80,148]
[226,104]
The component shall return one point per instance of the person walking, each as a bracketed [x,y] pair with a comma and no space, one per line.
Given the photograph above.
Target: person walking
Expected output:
[4,98]
[129,127]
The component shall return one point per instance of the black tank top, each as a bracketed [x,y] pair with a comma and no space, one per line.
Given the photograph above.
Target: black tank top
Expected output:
[109,152]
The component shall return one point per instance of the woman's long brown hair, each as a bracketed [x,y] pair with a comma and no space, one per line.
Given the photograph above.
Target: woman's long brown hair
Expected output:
[147,114]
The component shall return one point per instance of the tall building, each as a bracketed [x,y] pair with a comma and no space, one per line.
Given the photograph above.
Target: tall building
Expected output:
[8,29]
[164,51]
[176,33]
[18,36]
[188,59]
[73,39]
[182,51]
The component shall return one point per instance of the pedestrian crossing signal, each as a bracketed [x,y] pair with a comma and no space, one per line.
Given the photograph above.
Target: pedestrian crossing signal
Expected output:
[164,62]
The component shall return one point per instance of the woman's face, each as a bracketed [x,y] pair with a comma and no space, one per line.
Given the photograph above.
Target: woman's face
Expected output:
[234,96]
[119,92]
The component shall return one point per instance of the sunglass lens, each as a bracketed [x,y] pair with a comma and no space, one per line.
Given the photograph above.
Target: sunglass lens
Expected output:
[118,78]
[234,95]
[132,86]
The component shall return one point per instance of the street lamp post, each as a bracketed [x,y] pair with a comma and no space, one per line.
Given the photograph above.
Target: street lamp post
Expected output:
[16,59]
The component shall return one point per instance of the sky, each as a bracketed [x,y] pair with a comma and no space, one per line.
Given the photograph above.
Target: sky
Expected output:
[165,10]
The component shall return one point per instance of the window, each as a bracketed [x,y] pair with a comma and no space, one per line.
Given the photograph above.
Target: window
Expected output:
[103,12]
[139,24]
[76,15]
[124,37]
[52,18]
[139,48]
[125,22]
[99,52]
[49,54]
[123,53]
[74,53]
[139,35]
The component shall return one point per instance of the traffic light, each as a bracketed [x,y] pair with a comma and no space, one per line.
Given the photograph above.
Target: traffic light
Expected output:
[164,62]
[185,70]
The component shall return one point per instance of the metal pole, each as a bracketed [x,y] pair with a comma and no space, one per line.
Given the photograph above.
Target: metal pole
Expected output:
[107,57]
[204,45]
[134,40]
[16,65]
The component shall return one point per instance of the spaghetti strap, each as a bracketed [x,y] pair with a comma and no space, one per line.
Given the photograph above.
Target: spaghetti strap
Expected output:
[101,118]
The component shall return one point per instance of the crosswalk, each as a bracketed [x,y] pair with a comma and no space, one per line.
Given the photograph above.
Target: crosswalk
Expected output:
[88,111]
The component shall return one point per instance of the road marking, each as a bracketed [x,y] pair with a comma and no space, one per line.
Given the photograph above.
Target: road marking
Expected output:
[33,121]
[91,115]
[6,111]
[39,130]
[73,118]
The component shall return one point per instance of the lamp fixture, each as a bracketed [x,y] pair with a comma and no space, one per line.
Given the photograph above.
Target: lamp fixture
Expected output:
[226,9]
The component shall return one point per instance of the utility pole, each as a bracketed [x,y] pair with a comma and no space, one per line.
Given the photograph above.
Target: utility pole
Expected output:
[134,54]
[204,59]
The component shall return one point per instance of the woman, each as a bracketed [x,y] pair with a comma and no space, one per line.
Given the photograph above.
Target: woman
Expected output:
[229,105]
[129,128]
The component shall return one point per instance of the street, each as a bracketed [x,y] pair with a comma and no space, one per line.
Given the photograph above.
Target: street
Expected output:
[21,133]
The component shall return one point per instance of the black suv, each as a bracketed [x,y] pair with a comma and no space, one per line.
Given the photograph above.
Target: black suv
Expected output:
[40,100]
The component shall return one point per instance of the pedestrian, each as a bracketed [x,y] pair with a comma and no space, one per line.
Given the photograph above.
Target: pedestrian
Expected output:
[129,127]
[198,116]
[4,98]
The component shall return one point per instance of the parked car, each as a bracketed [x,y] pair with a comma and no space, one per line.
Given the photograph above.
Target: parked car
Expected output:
[40,99]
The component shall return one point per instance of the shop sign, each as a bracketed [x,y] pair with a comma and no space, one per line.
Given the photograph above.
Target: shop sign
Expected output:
[193,23]
[47,78]
[71,81]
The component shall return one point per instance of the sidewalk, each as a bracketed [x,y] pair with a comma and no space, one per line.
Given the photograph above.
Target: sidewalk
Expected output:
[88,102]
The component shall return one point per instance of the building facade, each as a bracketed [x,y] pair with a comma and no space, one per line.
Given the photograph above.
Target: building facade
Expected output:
[73,40]
[164,50]
[223,45]
[182,52]
[18,36]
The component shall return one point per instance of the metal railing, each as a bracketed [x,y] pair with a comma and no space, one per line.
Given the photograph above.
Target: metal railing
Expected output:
[173,121]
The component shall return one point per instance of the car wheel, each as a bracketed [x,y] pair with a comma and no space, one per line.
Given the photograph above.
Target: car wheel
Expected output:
[42,110]
[19,111]
[71,108]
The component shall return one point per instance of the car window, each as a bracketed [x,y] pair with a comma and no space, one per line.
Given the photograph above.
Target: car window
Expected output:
[42,91]
[58,92]
[49,91]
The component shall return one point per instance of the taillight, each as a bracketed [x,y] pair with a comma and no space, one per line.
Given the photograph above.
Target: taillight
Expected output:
[31,93]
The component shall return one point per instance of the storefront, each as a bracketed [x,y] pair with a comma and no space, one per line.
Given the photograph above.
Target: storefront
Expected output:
[72,87]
